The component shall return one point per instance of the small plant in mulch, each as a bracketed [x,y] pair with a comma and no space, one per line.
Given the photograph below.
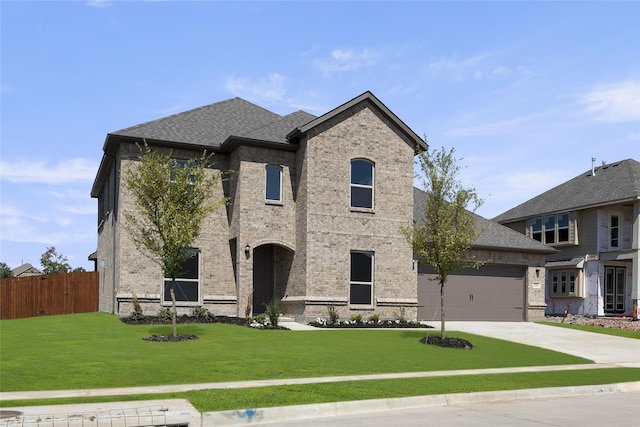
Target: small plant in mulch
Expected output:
[448,342]
[357,321]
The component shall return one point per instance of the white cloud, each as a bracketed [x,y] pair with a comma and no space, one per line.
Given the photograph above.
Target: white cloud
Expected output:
[342,60]
[73,170]
[614,103]
[272,87]
[495,128]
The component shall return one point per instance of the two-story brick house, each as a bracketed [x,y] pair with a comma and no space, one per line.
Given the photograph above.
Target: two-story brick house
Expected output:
[594,220]
[316,205]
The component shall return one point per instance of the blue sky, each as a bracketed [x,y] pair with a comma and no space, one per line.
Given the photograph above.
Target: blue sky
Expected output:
[526,92]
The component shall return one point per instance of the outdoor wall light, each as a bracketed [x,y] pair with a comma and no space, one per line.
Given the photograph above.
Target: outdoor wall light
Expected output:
[538,272]
[247,251]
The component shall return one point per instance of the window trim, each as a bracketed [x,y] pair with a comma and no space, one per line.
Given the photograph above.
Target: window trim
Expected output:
[361,283]
[618,229]
[166,301]
[266,184]
[561,283]
[353,185]
[538,228]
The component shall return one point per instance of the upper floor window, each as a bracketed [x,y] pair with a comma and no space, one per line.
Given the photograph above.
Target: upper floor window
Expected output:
[551,229]
[182,164]
[362,184]
[273,191]
[614,231]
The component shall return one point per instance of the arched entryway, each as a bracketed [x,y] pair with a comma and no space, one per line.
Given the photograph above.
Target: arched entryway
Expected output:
[271,268]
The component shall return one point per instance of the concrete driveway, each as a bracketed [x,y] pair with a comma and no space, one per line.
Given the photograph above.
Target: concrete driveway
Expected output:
[600,348]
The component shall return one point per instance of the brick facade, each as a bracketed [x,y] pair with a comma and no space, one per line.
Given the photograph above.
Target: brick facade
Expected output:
[311,231]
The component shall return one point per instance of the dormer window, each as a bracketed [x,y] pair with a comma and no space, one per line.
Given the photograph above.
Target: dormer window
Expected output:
[362,184]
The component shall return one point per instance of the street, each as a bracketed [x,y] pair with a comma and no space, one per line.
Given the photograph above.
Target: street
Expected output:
[619,409]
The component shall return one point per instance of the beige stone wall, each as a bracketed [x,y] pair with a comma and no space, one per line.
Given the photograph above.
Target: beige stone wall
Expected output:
[140,276]
[333,229]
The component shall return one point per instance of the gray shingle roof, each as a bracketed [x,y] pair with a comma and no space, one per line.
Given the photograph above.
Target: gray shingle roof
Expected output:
[25,268]
[611,183]
[492,235]
[213,124]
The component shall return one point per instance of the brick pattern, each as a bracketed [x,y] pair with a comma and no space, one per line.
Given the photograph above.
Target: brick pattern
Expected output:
[313,229]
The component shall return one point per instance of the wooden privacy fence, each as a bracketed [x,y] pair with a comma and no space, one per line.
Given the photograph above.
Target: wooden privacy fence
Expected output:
[48,294]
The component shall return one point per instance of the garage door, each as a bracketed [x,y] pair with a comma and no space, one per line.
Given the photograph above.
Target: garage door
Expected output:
[492,292]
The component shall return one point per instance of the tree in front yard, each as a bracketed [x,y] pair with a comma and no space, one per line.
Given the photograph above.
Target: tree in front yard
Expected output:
[171,200]
[442,239]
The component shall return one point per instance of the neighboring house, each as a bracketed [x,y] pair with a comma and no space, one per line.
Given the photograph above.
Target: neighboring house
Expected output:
[594,221]
[25,270]
[509,286]
[316,206]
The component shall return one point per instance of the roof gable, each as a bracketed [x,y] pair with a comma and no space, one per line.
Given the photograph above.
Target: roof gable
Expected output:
[419,143]
[611,183]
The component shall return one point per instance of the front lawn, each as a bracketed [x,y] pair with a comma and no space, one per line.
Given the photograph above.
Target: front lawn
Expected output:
[627,333]
[97,350]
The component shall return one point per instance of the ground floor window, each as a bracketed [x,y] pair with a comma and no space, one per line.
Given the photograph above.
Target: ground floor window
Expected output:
[361,280]
[565,282]
[188,283]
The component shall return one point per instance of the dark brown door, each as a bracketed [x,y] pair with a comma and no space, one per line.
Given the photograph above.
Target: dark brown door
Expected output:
[262,277]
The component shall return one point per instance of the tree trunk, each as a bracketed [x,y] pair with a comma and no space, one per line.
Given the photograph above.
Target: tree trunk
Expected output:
[442,333]
[174,311]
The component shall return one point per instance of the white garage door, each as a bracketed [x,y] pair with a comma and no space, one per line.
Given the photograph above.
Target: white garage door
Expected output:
[492,292]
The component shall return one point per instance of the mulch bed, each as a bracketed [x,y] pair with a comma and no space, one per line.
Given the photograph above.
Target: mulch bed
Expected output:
[448,342]
[383,324]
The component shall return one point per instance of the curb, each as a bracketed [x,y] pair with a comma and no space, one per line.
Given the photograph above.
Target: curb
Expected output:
[181,412]
[245,417]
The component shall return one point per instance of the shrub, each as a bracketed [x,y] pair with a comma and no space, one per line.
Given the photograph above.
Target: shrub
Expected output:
[165,314]
[202,313]
[273,312]
[333,315]
[137,313]
[400,315]
[374,318]
[356,318]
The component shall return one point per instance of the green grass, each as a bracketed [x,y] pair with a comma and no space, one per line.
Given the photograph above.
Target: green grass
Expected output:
[598,329]
[218,400]
[96,350]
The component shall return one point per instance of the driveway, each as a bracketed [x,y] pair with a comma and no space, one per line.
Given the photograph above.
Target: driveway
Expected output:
[600,348]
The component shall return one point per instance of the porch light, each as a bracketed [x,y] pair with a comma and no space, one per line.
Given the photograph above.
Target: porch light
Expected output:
[247,251]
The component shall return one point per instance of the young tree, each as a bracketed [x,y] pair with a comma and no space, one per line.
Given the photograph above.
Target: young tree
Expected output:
[5,271]
[53,262]
[171,200]
[443,238]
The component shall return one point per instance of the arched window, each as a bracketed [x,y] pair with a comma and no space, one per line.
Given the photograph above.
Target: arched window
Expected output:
[362,184]
[273,190]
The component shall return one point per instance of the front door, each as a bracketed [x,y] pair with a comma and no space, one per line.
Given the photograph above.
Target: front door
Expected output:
[614,290]
[262,277]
